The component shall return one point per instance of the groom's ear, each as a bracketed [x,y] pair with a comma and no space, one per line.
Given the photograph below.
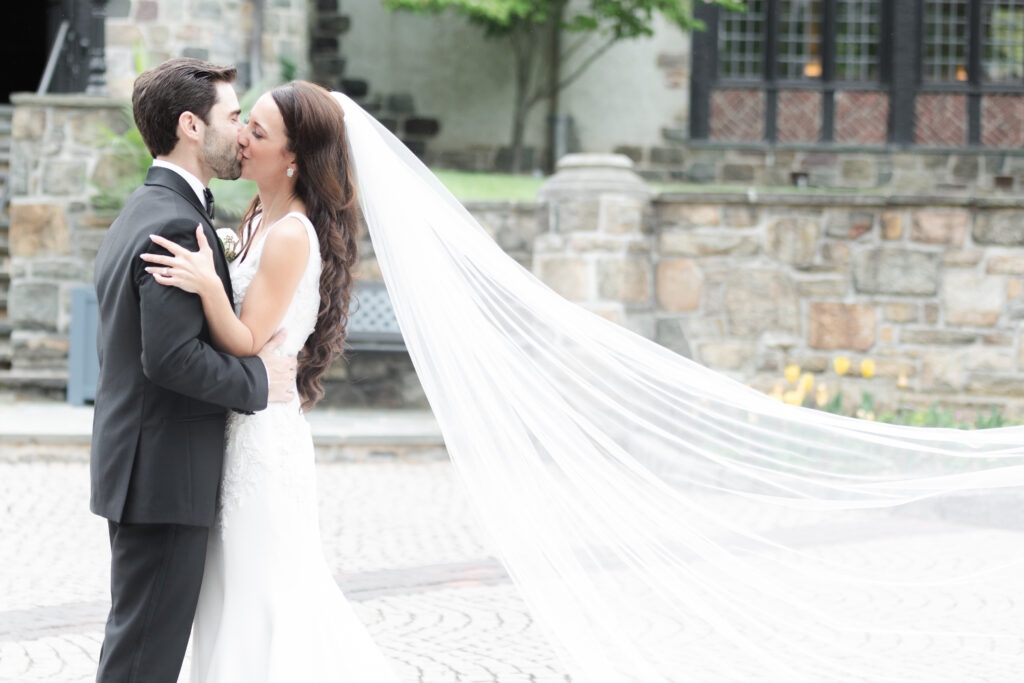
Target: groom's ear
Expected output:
[189,126]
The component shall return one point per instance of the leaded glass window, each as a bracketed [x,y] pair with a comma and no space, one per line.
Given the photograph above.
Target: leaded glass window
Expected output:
[857,40]
[945,40]
[1003,28]
[799,39]
[741,43]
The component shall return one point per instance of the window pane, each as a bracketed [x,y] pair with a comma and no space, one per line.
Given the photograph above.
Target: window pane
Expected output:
[741,42]
[799,39]
[945,40]
[1003,23]
[857,40]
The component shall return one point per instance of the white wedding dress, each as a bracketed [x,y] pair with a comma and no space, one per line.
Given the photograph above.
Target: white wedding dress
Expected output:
[269,610]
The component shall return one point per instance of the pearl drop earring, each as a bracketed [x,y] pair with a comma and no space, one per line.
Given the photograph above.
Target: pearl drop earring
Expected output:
[290,172]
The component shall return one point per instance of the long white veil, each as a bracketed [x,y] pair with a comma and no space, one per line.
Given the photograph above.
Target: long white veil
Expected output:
[666,523]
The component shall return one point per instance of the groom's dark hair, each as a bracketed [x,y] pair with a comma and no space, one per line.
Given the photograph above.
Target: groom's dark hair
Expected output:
[162,94]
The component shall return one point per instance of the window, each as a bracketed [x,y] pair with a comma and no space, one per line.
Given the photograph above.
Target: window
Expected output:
[939,73]
[857,41]
[741,43]
[799,39]
[945,40]
[822,54]
[1003,22]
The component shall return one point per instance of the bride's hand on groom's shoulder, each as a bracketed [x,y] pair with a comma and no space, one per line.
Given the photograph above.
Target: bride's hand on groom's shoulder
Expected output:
[191,271]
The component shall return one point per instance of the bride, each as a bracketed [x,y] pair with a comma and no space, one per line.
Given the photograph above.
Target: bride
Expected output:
[269,608]
[663,522]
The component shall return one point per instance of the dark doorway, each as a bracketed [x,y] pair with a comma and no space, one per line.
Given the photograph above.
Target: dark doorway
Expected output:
[24,50]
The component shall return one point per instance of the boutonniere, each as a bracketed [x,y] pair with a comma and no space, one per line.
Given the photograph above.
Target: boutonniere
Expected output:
[229,240]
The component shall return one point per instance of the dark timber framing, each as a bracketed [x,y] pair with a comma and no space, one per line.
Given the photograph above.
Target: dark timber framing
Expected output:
[901,59]
[81,66]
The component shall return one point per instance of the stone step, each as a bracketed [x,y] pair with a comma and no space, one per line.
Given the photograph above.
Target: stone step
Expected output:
[33,384]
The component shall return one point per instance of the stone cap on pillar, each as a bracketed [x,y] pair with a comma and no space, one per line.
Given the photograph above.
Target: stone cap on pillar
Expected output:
[580,175]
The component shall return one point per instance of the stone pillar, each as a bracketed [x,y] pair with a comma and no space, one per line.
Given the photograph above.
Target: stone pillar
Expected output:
[56,165]
[597,251]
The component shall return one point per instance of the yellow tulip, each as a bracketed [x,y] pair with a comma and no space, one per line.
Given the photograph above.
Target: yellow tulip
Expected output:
[841,365]
[793,398]
[867,368]
[792,373]
[806,382]
[821,397]
[776,392]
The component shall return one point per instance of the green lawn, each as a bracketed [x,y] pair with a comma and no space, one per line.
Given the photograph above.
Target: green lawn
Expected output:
[468,186]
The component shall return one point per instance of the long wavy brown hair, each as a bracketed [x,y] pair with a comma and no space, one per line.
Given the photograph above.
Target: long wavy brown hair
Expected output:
[316,135]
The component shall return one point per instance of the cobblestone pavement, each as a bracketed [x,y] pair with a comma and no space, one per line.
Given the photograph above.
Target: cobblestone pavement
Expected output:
[406,551]
[399,535]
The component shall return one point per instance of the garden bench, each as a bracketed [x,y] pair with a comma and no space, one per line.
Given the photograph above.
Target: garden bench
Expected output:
[371,327]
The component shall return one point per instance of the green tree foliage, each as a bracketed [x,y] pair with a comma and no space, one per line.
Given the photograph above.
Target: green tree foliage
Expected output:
[542,65]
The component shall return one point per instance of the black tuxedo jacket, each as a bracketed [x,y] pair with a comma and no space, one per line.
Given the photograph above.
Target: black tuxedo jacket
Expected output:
[164,391]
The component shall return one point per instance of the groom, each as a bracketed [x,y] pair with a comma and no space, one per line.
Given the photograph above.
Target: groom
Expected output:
[163,392]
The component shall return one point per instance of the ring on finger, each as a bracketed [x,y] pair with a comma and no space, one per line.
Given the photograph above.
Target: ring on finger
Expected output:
[167,272]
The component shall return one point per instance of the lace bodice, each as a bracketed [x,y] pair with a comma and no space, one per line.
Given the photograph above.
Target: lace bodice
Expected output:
[275,444]
[301,315]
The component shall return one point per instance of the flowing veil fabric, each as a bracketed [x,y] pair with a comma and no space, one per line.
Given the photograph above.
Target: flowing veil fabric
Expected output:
[666,523]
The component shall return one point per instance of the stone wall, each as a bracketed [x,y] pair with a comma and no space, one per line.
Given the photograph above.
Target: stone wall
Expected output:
[915,170]
[928,287]
[931,288]
[219,31]
[54,233]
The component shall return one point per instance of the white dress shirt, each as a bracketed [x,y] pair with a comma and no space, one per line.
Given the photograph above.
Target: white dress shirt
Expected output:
[196,184]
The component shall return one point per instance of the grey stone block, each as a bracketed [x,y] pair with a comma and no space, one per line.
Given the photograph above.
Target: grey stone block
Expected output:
[634,152]
[324,44]
[196,52]
[666,155]
[353,87]
[422,126]
[738,173]
[701,172]
[401,103]
[999,227]
[417,147]
[118,9]
[892,270]
[669,333]
[34,305]
[207,9]
[965,169]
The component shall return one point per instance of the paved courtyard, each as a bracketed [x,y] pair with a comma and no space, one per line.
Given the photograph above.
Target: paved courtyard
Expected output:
[399,536]
[402,541]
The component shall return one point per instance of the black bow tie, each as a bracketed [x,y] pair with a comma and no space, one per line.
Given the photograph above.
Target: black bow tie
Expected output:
[209,202]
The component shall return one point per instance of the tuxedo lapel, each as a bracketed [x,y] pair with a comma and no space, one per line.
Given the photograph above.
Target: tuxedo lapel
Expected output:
[165,177]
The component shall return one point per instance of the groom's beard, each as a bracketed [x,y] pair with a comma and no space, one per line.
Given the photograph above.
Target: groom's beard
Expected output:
[221,155]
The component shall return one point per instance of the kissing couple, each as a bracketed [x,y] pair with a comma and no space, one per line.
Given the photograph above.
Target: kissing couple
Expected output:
[202,460]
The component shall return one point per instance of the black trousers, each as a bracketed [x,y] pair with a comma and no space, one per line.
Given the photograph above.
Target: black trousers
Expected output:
[156,571]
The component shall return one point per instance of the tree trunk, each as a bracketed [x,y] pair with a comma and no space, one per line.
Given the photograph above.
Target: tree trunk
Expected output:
[523,52]
[554,65]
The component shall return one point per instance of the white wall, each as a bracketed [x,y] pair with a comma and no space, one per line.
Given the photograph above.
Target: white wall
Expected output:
[465,80]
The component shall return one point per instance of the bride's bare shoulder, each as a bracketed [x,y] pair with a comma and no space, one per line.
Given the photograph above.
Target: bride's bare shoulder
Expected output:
[288,241]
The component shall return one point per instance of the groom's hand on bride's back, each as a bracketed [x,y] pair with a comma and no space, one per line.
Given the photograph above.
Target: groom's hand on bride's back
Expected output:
[280,370]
